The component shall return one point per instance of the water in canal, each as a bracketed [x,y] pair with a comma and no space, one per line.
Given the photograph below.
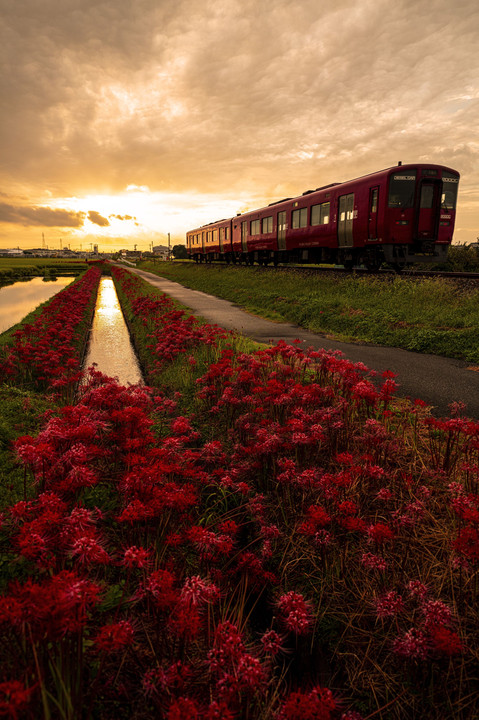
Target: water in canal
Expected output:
[110,346]
[19,299]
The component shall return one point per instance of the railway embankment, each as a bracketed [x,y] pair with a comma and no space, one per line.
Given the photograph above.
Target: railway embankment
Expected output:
[437,379]
[425,315]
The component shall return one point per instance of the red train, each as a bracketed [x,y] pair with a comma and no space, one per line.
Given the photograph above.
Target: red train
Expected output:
[401,215]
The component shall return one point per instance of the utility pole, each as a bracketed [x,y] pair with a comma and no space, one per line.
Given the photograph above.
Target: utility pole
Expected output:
[169,252]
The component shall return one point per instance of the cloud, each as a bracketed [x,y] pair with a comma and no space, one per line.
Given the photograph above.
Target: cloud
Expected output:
[95,217]
[43,216]
[237,96]
[123,217]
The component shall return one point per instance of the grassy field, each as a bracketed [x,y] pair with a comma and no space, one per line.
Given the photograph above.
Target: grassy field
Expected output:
[14,268]
[424,315]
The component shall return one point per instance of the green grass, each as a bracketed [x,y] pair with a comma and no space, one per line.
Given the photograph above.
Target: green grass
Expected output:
[21,413]
[177,377]
[15,268]
[424,315]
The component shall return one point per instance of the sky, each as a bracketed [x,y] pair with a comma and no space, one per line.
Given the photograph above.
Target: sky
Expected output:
[122,122]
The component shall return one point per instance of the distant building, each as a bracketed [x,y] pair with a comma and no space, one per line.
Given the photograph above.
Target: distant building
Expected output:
[161,251]
[131,254]
[11,252]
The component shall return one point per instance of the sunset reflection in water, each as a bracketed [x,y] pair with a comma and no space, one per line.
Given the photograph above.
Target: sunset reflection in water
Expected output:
[110,346]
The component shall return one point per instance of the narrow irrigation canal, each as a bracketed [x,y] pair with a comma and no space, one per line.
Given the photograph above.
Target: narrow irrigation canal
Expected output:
[110,345]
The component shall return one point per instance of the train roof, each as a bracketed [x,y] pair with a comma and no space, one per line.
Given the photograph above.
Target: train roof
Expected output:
[332,185]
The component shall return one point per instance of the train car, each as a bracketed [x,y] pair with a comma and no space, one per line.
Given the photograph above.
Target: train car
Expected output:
[402,215]
[210,242]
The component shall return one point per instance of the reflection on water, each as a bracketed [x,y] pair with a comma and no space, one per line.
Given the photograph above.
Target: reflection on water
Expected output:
[21,298]
[110,346]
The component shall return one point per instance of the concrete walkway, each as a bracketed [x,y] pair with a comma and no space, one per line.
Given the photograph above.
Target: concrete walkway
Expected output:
[438,381]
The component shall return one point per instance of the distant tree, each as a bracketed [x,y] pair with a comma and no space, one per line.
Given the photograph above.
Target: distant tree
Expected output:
[179,252]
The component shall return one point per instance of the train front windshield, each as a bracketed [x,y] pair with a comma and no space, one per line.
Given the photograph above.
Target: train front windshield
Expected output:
[402,186]
[450,184]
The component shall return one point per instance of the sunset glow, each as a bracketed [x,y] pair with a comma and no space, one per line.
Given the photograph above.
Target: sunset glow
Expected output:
[123,122]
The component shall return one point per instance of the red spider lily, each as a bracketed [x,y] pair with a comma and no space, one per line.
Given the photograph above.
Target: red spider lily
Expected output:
[219,711]
[445,641]
[197,592]
[436,613]
[185,621]
[55,607]
[389,604]
[413,645]
[380,533]
[373,562]
[114,637]
[467,543]
[136,557]
[295,613]
[159,586]
[159,679]
[318,704]
[183,709]
[87,550]
[272,643]
[417,589]
[317,518]
[301,444]
[46,353]
[14,698]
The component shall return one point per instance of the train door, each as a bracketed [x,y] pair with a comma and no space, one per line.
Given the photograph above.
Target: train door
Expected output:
[373,213]
[429,209]
[281,231]
[203,241]
[244,236]
[345,220]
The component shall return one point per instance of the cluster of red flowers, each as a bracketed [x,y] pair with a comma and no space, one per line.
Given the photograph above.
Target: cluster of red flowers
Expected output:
[223,564]
[46,353]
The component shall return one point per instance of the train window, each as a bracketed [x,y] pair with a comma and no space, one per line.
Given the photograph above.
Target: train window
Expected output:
[450,185]
[227,233]
[254,229]
[215,236]
[300,218]
[320,214]
[267,226]
[427,195]
[401,189]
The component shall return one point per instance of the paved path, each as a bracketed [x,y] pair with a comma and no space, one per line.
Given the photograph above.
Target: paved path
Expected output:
[438,381]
